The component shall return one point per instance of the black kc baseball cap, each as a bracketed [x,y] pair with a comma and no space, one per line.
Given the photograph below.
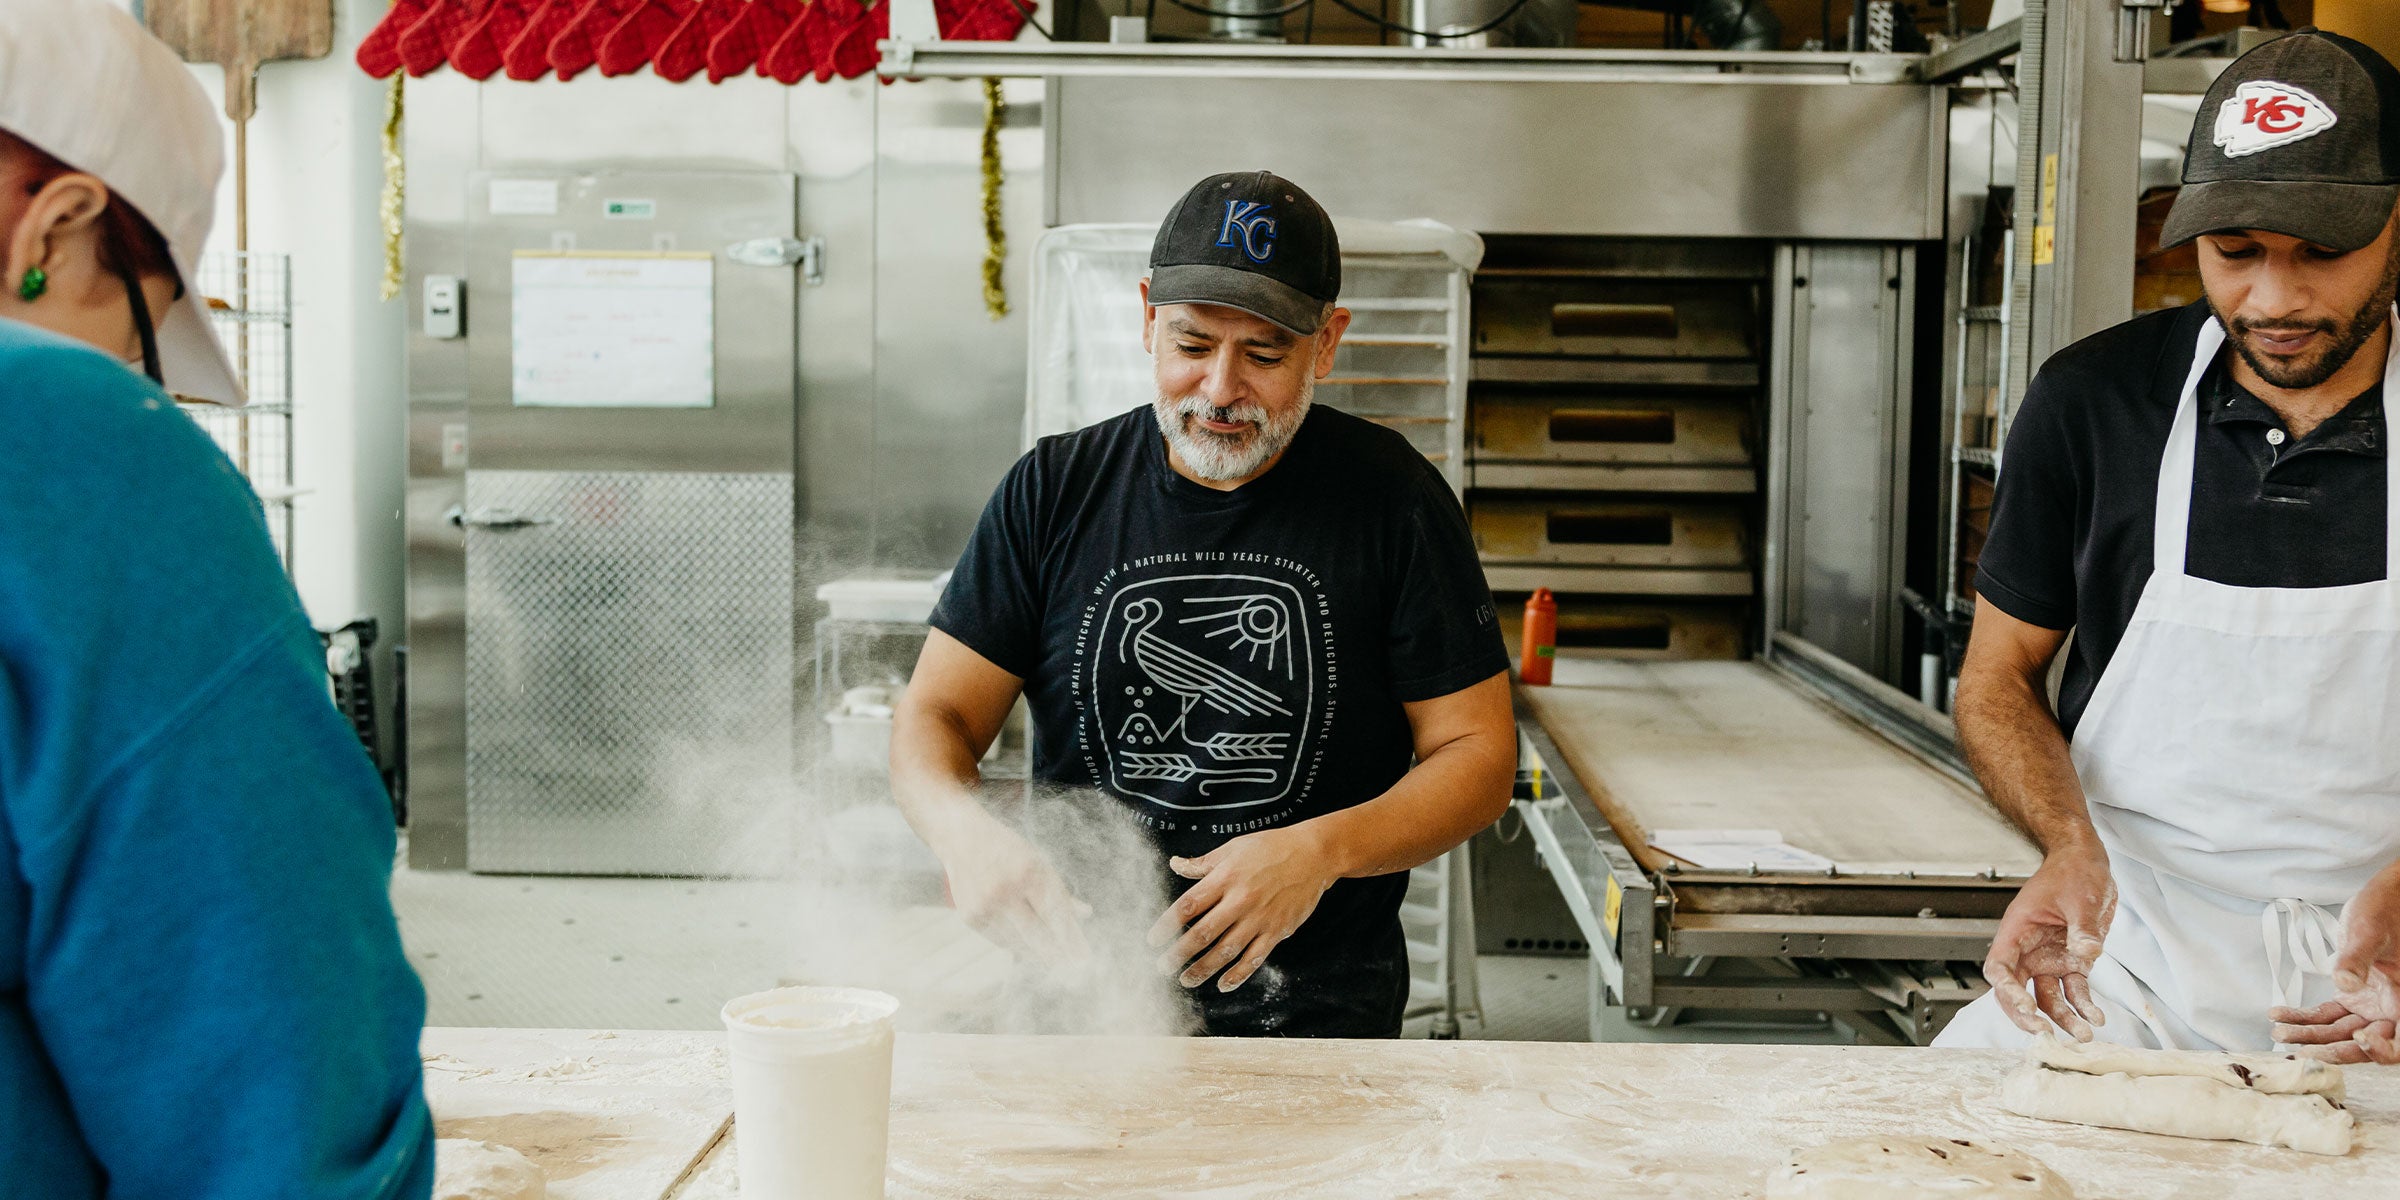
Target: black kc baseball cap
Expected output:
[1252,241]
[2301,136]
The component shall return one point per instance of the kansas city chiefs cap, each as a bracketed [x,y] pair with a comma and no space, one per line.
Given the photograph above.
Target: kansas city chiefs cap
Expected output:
[2301,136]
[1253,241]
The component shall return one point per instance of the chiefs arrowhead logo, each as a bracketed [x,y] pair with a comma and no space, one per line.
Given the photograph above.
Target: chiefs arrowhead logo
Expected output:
[2263,115]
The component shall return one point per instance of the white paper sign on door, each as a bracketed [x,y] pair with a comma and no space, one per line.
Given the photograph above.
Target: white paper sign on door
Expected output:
[524,197]
[598,330]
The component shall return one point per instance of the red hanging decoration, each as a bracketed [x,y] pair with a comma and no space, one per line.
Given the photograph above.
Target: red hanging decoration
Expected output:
[795,51]
[379,54]
[527,56]
[684,50]
[786,40]
[755,28]
[576,49]
[483,45]
[632,42]
[848,49]
[980,20]
[425,46]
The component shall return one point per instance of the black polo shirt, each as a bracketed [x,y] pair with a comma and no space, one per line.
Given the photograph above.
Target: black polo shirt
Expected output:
[2071,543]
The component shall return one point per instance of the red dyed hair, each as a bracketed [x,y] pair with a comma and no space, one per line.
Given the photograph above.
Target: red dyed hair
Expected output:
[128,241]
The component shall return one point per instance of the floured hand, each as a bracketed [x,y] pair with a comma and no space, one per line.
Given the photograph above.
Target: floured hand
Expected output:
[2358,1024]
[1008,891]
[1252,893]
[2353,1027]
[2049,938]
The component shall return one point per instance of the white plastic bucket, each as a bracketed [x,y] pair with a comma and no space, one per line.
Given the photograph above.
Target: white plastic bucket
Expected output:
[812,1091]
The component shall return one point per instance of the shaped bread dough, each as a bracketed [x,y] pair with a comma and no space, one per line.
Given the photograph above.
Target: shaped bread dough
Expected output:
[1914,1168]
[471,1170]
[2179,1106]
[2280,1074]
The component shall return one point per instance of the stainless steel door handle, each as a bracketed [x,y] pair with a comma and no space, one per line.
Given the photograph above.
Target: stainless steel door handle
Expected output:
[497,519]
[808,254]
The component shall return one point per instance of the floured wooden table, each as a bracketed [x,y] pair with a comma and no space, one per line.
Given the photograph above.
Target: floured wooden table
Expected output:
[1221,1119]
[606,1116]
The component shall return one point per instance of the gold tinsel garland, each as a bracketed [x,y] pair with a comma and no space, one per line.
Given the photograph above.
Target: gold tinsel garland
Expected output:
[395,188]
[995,238]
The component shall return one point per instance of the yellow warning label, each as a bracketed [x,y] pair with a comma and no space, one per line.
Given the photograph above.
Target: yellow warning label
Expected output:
[1614,906]
[2045,229]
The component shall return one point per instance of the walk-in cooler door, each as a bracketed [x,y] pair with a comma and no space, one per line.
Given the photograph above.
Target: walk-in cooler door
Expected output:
[628,521]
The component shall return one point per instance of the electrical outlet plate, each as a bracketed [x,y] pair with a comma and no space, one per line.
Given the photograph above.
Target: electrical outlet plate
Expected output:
[445,306]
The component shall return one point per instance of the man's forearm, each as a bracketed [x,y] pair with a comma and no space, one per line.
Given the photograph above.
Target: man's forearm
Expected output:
[936,777]
[1441,802]
[2014,745]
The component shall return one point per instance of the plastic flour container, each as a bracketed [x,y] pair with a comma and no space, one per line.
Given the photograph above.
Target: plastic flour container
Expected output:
[812,1091]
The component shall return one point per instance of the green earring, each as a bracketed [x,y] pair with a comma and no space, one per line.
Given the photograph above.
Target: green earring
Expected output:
[36,280]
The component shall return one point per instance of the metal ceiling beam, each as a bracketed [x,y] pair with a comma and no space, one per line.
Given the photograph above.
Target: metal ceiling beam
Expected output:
[1970,54]
[975,60]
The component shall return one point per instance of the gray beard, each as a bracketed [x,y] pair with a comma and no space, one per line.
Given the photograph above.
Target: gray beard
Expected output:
[1219,458]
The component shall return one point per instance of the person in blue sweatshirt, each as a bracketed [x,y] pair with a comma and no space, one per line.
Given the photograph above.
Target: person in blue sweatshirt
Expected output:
[202,988]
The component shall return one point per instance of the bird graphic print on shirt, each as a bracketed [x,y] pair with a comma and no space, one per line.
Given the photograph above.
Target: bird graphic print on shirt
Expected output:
[1206,693]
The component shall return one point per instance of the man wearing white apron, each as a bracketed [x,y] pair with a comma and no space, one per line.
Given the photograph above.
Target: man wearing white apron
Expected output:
[2203,498]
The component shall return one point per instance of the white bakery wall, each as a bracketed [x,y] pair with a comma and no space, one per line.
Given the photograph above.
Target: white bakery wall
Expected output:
[316,178]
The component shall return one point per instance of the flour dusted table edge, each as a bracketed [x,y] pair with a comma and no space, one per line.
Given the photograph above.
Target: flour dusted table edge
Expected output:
[605,1115]
[985,1116]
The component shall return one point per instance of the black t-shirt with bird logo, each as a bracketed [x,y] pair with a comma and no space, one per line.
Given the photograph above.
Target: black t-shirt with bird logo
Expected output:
[1225,662]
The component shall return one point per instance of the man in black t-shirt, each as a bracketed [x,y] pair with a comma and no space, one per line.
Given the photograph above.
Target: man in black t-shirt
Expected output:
[1239,617]
[2204,498]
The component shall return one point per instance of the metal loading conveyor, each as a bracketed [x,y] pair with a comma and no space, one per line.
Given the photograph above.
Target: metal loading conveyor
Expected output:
[1887,941]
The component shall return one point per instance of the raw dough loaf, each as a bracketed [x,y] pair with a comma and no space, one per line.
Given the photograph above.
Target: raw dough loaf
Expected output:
[2179,1106]
[470,1170]
[2281,1074]
[1912,1168]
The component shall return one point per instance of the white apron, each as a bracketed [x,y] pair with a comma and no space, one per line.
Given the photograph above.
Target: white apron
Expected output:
[2241,756]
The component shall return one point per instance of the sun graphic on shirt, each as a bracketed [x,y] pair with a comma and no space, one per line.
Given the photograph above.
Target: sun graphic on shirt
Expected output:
[1252,625]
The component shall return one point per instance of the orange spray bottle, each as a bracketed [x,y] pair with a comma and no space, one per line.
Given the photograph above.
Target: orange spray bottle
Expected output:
[1540,638]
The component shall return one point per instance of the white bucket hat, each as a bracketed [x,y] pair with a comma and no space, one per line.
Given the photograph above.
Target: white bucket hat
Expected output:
[82,80]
